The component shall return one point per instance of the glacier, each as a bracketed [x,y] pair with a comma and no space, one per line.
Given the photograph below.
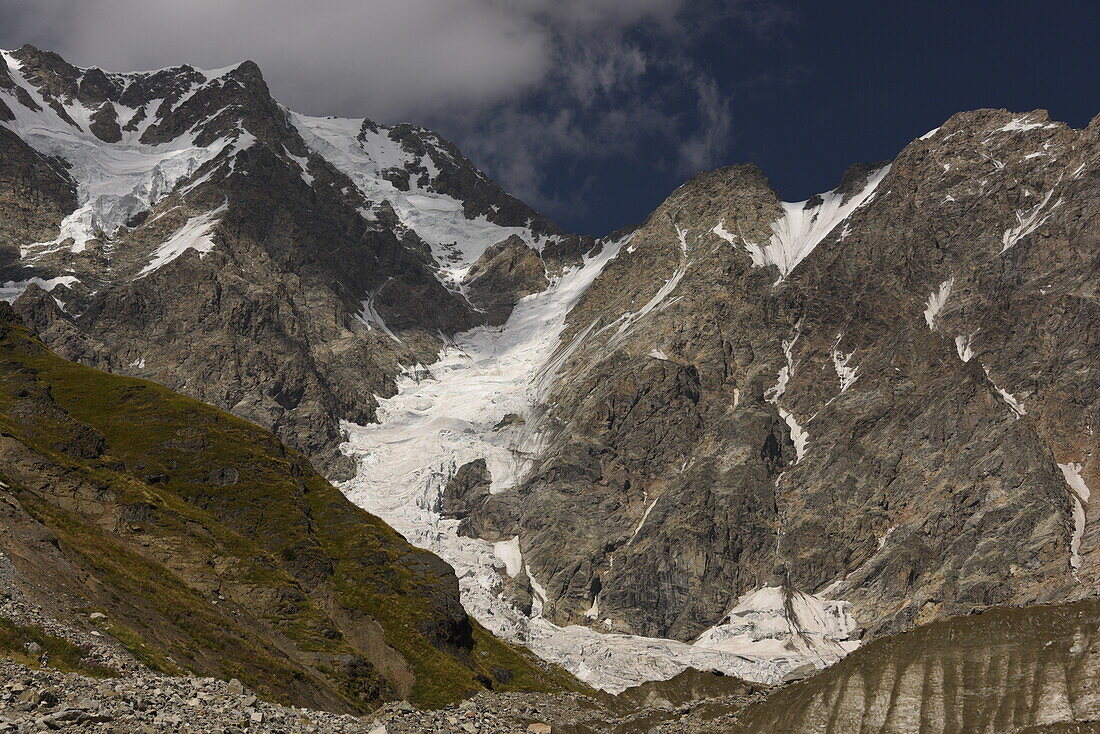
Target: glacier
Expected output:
[444,415]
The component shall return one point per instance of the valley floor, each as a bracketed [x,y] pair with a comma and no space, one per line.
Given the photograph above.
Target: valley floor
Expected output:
[33,700]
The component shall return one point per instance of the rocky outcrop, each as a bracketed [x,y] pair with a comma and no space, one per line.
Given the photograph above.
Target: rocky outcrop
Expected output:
[466,490]
[104,124]
[35,194]
[505,273]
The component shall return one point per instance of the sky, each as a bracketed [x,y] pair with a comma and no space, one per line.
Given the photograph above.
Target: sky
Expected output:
[593,111]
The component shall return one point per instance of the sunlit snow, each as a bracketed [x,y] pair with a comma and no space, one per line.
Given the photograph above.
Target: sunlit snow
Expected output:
[194,235]
[847,374]
[1010,400]
[12,289]
[369,314]
[800,229]
[456,242]
[799,436]
[963,345]
[628,320]
[1018,124]
[115,181]
[775,392]
[1028,221]
[645,516]
[507,552]
[787,623]
[936,301]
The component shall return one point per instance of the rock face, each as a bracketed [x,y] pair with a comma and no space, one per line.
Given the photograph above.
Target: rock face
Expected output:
[466,490]
[281,267]
[202,545]
[505,273]
[35,193]
[876,396]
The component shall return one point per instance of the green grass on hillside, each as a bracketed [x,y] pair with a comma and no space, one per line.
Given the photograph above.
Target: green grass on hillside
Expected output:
[208,498]
[56,652]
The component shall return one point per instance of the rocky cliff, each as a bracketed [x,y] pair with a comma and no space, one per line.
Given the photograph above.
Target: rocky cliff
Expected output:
[886,394]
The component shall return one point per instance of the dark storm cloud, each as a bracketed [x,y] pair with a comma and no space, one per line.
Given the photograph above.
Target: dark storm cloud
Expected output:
[521,84]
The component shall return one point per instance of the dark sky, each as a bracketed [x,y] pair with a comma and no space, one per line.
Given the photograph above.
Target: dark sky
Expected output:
[842,82]
[594,110]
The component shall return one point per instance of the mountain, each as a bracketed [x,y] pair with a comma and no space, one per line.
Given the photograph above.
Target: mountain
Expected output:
[768,432]
[747,435]
[210,548]
[884,395]
[278,266]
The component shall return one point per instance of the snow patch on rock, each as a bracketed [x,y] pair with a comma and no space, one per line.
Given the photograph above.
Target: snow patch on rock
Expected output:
[369,314]
[1027,221]
[507,551]
[1080,494]
[194,235]
[645,516]
[772,394]
[785,622]
[847,375]
[964,346]
[801,228]
[799,436]
[628,320]
[12,289]
[1019,124]
[936,301]
[1010,400]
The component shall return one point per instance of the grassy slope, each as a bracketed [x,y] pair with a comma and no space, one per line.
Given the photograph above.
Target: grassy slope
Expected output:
[59,653]
[173,506]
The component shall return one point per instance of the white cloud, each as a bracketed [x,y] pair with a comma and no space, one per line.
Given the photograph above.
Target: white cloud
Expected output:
[388,58]
[714,130]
